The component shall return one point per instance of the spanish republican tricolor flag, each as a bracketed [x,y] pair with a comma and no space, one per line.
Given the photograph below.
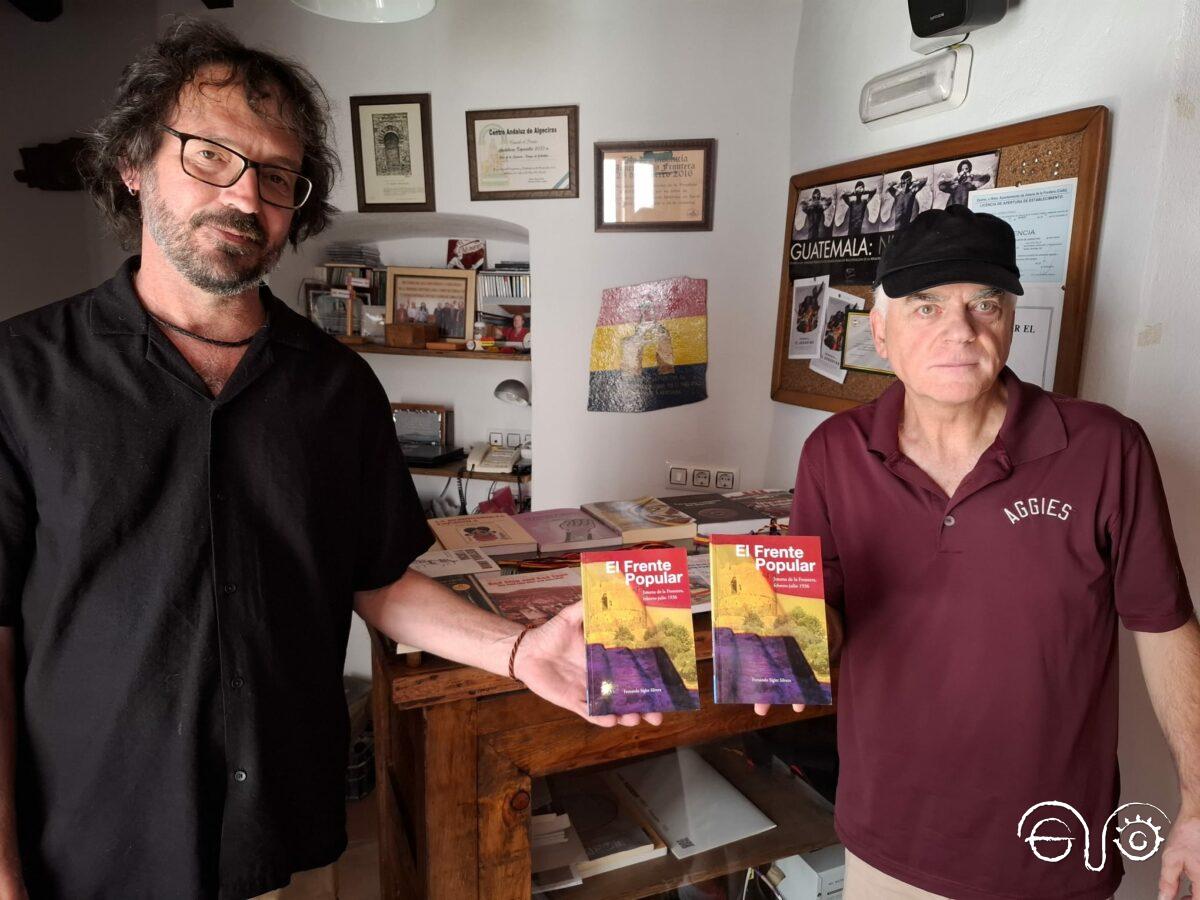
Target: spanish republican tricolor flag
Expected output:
[650,349]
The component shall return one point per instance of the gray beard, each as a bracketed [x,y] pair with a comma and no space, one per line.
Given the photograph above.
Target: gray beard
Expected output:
[224,272]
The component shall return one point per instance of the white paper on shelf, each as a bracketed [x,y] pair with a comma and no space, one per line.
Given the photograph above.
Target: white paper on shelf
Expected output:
[691,805]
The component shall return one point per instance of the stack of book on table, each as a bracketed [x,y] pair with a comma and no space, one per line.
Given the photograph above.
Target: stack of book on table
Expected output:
[586,824]
[495,534]
[464,557]
[643,519]
[614,523]
[740,512]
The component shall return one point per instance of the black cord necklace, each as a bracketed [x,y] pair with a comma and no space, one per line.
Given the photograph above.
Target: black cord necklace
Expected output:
[199,337]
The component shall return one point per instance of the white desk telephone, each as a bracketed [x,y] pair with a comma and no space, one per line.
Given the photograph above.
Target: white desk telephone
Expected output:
[490,459]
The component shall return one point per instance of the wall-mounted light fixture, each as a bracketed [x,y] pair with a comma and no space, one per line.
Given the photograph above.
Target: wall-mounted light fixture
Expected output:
[512,391]
[369,10]
[934,84]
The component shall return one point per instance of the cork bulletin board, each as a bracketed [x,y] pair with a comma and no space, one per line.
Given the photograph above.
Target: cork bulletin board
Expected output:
[829,236]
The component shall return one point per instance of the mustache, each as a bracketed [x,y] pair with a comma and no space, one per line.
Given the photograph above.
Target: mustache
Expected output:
[244,224]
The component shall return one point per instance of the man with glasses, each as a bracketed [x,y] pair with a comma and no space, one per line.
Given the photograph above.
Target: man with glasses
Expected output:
[197,487]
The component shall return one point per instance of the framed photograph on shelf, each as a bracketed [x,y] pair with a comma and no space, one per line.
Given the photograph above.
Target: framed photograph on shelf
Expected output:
[329,308]
[442,297]
[655,185]
[523,154]
[393,153]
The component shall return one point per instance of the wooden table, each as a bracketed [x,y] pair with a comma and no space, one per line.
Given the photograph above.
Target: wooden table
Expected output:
[455,749]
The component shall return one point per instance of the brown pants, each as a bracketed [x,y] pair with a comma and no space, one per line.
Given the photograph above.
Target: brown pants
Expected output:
[314,884]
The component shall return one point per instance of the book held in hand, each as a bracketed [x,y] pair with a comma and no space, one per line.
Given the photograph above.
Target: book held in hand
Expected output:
[770,634]
[637,622]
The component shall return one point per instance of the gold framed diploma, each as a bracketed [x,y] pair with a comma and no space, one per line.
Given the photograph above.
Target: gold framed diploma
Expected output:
[655,185]
[393,153]
[523,154]
[858,348]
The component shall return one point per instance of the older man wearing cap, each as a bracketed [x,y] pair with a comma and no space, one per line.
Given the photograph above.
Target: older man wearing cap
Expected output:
[982,537]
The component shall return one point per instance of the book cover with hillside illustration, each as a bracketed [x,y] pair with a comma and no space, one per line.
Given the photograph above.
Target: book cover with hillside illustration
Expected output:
[637,621]
[770,636]
[643,519]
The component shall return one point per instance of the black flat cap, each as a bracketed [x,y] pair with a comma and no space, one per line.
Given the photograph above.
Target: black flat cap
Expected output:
[950,246]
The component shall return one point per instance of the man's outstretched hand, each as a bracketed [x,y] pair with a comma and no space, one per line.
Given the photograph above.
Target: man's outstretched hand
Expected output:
[1181,856]
[552,662]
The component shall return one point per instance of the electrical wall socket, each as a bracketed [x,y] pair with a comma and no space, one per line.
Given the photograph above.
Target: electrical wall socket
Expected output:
[705,476]
[506,438]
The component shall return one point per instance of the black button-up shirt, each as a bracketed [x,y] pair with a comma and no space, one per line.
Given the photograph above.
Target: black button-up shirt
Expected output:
[180,571]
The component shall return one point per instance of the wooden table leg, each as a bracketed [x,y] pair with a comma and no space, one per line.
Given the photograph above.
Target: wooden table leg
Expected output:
[504,800]
[397,868]
[451,834]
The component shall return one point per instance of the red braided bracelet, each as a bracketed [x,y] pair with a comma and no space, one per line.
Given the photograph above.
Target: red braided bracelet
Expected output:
[512,657]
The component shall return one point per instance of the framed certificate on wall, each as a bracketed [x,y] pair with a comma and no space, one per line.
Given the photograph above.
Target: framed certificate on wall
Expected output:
[655,185]
[523,154]
[393,153]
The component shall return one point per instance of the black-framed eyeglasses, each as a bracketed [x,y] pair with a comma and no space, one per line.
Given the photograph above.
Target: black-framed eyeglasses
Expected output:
[218,165]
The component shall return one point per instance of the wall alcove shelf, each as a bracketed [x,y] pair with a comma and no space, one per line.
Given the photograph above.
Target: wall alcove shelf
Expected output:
[447,354]
[455,470]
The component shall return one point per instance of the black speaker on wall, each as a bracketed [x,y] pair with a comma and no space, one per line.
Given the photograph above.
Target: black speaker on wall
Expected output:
[934,18]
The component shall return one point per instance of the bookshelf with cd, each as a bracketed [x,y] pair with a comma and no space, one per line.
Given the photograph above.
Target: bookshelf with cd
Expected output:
[501,294]
[366,245]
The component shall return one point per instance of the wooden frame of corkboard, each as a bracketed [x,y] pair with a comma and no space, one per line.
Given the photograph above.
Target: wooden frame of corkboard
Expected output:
[1069,145]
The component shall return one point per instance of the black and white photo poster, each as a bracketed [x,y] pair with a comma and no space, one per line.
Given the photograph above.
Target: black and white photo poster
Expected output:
[814,214]
[906,194]
[857,206]
[956,179]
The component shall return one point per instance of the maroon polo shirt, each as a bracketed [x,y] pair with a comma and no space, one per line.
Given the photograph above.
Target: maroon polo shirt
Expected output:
[979,670]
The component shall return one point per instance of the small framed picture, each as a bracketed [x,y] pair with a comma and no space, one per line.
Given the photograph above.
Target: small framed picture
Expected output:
[655,185]
[443,297]
[393,153]
[330,309]
[858,347]
[523,154]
